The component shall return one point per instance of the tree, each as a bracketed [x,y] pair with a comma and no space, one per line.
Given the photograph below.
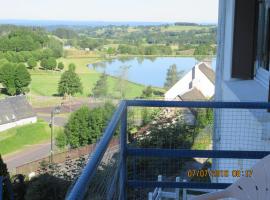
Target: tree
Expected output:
[111,50]
[4,172]
[51,63]
[60,66]
[45,187]
[7,78]
[172,76]
[101,87]
[70,83]
[122,83]
[44,63]
[32,63]
[77,128]
[22,79]
[147,92]
[3,168]
[72,66]
[15,78]
[204,49]
[85,126]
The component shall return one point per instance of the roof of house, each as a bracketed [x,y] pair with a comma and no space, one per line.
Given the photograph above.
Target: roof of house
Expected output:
[14,109]
[192,95]
[208,72]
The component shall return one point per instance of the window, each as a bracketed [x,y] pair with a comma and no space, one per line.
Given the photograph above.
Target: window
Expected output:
[193,73]
[263,36]
[244,39]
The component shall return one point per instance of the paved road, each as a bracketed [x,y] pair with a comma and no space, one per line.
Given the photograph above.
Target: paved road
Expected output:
[30,154]
[58,121]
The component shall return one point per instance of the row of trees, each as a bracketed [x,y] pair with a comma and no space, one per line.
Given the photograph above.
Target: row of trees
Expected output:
[145,50]
[24,56]
[51,64]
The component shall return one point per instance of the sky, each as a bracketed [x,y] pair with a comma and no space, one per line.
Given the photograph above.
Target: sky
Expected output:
[200,11]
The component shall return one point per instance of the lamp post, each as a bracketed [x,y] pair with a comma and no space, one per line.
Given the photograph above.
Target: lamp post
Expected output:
[54,111]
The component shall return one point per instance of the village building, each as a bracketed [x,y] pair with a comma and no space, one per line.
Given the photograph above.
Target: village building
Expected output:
[197,85]
[15,111]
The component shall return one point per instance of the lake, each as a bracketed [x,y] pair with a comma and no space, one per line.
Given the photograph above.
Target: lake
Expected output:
[146,70]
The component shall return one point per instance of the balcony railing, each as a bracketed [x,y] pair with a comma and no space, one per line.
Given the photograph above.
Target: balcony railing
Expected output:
[239,136]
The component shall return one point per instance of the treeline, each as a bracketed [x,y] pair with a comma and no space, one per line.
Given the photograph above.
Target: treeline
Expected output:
[141,40]
[145,50]
[185,24]
[18,44]
[23,39]
[153,35]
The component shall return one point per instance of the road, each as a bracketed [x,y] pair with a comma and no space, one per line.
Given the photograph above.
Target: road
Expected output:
[32,153]
[58,121]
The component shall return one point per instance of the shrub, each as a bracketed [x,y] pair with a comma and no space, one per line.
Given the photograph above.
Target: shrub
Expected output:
[31,63]
[46,187]
[60,66]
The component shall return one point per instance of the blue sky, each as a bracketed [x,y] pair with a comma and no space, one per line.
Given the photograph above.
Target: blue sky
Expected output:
[111,10]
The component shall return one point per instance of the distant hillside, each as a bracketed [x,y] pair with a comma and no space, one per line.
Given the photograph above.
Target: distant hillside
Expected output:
[185,24]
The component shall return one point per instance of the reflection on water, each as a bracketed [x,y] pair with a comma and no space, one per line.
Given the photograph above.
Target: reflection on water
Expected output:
[147,70]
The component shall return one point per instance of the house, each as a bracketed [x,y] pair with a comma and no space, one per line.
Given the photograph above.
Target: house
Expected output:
[66,47]
[15,111]
[197,84]
[242,75]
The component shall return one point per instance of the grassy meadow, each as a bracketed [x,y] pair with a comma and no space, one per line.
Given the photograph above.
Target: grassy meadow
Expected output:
[21,137]
[46,83]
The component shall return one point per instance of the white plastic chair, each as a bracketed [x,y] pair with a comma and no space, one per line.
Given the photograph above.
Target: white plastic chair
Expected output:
[256,187]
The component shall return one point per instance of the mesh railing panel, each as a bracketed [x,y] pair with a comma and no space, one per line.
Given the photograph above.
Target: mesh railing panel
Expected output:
[194,129]
[105,183]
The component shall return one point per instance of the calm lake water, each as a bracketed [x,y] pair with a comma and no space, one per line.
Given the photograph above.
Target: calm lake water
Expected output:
[147,71]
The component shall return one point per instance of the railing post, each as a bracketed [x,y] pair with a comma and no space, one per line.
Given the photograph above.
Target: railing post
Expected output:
[123,145]
[184,191]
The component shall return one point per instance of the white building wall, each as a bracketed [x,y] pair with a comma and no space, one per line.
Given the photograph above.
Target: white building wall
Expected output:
[201,82]
[237,129]
[18,123]
[180,87]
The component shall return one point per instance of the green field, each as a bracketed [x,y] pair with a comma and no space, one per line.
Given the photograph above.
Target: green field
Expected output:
[46,83]
[183,28]
[21,137]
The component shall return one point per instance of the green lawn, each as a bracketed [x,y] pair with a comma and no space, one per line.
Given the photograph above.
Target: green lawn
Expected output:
[20,137]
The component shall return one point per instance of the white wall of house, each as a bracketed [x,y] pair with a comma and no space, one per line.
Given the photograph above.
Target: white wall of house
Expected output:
[21,122]
[181,87]
[237,129]
[201,82]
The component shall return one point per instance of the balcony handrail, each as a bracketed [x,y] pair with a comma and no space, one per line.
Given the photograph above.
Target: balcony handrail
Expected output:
[80,187]
[198,104]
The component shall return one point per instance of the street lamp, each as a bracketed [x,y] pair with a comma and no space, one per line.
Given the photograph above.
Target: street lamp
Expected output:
[54,111]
